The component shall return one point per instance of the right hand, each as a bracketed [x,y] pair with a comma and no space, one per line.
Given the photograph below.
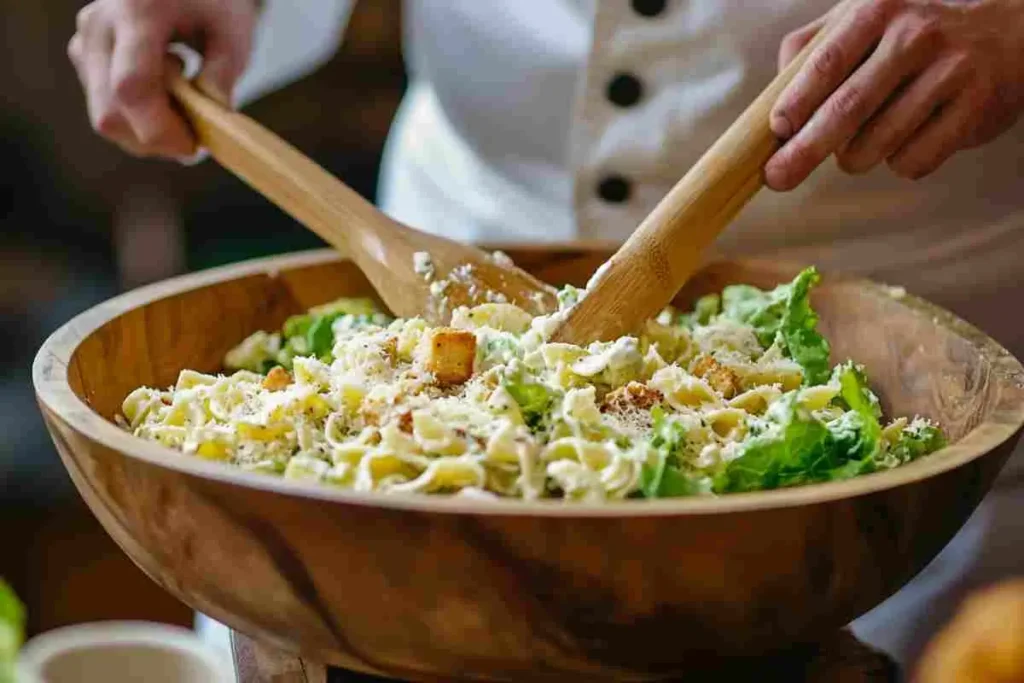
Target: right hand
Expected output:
[120,53]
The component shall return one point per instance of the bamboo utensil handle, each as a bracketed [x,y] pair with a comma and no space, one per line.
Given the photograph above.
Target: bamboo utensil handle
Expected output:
[658,258]
[384,249]
[276,169]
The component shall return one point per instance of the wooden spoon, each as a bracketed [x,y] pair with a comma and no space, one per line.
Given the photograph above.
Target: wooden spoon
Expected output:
[384,249]
[649,269]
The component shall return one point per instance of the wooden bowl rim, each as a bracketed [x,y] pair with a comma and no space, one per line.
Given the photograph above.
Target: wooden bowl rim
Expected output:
[54,392]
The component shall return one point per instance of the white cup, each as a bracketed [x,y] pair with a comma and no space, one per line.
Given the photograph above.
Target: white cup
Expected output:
[122,652]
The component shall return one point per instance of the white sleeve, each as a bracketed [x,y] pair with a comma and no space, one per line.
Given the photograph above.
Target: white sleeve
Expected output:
[293,39]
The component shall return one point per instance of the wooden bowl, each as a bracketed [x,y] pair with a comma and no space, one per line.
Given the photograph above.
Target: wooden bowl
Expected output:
[425,588]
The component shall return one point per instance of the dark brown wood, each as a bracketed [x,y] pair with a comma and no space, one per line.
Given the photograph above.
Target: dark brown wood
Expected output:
[426,587]
[839,659]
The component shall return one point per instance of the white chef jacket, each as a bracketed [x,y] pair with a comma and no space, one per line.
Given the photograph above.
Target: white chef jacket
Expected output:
[556,120]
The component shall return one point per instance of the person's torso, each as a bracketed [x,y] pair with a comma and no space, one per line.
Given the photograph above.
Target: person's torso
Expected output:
[571,119]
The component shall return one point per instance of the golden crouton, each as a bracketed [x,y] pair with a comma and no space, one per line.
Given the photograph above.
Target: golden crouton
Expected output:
[277,379]
[722,379]
[632,396]
[448,354]
[390,350]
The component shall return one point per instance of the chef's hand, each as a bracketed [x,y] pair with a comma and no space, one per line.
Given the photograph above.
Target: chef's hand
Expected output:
[120,49]
[907,82]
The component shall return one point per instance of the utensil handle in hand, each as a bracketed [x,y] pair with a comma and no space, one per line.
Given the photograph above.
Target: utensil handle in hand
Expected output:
[274,168]
[666,249]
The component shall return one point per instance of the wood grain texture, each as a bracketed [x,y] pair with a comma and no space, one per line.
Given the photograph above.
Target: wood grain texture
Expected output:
[840,658]
[667,248]
[422,587]
[382,248]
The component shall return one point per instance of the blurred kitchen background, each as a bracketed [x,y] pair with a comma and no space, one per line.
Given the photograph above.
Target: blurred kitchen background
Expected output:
[82,221]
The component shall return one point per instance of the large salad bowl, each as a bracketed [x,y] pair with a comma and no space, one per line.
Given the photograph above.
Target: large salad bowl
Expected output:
[427,588]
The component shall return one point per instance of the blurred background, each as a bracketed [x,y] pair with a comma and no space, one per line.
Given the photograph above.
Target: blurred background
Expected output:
[82,221]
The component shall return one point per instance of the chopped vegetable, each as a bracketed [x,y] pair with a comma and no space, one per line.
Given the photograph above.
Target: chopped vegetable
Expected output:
[798,448]
[666,478]
[535,401]
[917,439]
[783,313]
[706,308]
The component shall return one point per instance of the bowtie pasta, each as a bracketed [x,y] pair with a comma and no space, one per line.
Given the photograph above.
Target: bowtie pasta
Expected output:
[735,395]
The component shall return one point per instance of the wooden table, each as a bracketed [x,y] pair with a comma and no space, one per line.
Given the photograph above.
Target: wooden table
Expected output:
[842,659]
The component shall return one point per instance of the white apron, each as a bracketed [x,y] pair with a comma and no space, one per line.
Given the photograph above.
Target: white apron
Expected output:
[553,120]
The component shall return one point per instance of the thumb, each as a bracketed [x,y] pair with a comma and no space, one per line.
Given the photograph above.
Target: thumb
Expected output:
[227,47]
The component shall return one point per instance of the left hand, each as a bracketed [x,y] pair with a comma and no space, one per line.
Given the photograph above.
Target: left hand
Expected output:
[908,82]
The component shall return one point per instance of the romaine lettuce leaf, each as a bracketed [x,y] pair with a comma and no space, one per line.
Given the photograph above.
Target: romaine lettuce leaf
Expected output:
[800,449]
[858,431]
[312,333]
[917,439]
[784,312]
[666,478]
[706,308]
[568,296]
[535,400]
[297,326]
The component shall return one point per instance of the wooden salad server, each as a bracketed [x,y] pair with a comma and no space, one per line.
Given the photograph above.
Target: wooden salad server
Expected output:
[665,250]
[384,249]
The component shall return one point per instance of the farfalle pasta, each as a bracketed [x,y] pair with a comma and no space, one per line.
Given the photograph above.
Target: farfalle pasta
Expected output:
[736,395]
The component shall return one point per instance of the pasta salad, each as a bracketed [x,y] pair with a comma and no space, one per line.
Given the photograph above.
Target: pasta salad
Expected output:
[735,395]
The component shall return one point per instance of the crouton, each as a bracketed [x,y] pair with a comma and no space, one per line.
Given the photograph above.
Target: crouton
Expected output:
[448,354]
[722,379]
[390,350]
[632,396]
[277,379]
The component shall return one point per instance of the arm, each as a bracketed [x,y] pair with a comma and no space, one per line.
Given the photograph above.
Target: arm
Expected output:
[907,82]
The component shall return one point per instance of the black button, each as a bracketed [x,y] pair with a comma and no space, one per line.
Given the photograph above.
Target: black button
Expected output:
[624,90]
[649,8]
[614,189]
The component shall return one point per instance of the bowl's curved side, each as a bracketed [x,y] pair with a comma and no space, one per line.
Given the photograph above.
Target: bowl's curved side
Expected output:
[416,594]
[418,586]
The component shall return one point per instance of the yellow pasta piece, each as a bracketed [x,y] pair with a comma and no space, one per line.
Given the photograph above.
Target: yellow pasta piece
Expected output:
[682,390]
[818,398]
[728,423]
[211,450]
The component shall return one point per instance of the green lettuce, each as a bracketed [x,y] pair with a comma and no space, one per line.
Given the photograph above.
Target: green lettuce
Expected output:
[568,296]
[665,478]
[12,631]
[783,313]
[800,449]
[535,400]
[704,311]
[917,439]
[858,431]
[312,334]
